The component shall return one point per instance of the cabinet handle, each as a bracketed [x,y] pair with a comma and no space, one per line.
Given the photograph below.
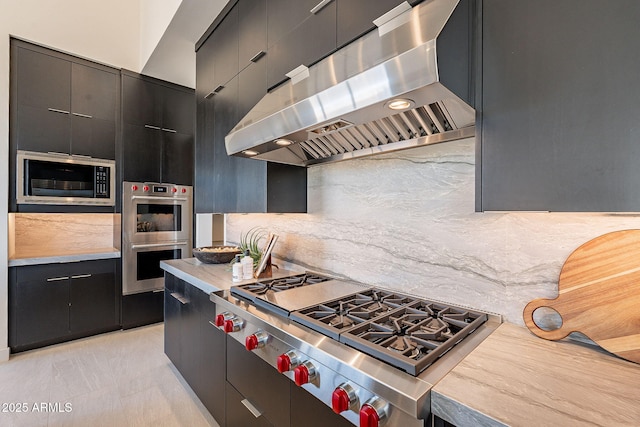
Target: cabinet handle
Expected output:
[254,411]
[169,130]
[86,116]
[209,95]
[180,298]
[57,279]
[152,127]
[81,276]
[55,110]
[317,8]
[257,56]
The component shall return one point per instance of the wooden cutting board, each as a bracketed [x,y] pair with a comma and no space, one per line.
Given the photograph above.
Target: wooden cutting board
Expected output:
[599,295]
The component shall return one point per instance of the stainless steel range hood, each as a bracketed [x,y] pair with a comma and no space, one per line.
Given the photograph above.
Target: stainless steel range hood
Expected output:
[339,108]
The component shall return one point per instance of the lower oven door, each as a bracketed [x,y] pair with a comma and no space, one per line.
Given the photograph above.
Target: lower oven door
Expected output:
[141,264]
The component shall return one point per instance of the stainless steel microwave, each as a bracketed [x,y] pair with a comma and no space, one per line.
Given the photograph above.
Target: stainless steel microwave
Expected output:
[62,179]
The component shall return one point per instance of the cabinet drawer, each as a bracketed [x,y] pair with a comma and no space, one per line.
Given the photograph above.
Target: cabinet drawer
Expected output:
[258,382]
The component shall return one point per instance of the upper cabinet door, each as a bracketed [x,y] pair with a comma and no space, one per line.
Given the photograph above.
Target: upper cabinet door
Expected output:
[178,110]
[225,53]
[355,17]
[140,102]
[93,92]
[305,44]
[252,31]
[560,106]
[44,81]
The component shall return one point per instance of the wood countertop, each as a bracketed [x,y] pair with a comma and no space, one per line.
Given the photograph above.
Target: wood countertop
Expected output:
[514,378]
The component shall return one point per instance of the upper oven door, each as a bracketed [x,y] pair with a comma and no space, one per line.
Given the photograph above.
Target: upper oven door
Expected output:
[156,213]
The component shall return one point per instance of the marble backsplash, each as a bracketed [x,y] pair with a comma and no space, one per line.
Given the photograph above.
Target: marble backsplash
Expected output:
[406,221]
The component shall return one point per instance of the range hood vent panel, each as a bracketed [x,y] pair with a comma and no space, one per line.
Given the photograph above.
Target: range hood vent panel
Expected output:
[340,110]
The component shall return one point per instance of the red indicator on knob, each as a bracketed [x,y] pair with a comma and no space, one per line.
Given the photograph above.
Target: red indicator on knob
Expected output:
[304,373]
[301,375]
[251,342]
[228,326]
[283,363]
[339,400]
[369,416]
[145,188]
[134,188]
[220,320]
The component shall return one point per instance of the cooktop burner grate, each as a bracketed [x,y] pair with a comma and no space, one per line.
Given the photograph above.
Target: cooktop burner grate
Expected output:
[415,336]
[251,291]
[333,317]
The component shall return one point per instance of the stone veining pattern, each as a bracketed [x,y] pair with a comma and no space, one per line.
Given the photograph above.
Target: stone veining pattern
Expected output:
[407,221]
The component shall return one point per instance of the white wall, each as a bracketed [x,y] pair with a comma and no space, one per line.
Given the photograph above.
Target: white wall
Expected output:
[406,221]
[105,31]
[156,17]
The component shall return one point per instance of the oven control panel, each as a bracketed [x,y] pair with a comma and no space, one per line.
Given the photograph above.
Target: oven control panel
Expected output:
[159,190]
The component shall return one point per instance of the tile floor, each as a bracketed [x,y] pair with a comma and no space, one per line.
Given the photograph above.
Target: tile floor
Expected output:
[121,378]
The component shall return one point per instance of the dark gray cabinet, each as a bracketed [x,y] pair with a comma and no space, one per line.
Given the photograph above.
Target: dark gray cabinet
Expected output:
[193,344]
[57,302]
[355,17]
[260,384]
[62,103]
[225,184]
[558,119]
[305,41]
[157,132]
[308,411]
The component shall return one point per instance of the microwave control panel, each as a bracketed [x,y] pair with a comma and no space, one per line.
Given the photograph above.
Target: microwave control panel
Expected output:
[102,181]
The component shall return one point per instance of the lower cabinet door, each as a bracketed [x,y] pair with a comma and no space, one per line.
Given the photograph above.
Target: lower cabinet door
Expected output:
[40,307]
[93,297]
[308,411]
[173,320]
[240,411]
[211,390]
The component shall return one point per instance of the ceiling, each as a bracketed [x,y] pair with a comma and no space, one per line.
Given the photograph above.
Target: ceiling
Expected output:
[174,58]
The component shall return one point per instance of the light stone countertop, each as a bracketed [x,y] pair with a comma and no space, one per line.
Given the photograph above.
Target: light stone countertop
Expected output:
[514,378]
[60,257]
[209,277]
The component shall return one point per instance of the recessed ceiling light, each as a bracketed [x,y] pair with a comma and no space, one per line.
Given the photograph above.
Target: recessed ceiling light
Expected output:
[283,142]
[400,104]
[250,153]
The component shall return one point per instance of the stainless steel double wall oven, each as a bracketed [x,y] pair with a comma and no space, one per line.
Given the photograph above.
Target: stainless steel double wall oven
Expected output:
[156,226]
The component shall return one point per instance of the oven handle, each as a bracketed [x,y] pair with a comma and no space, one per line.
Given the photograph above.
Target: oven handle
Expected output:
[157,245]
[180,199]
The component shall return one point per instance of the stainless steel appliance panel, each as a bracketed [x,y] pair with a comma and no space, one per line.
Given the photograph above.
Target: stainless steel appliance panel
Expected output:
[156,226]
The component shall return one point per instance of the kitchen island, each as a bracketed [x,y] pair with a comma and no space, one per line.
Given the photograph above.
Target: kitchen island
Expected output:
[512,378]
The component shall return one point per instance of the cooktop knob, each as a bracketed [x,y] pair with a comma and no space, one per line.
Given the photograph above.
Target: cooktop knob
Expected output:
[304,373]
[233,325]
[257,340]
[343,398]
[373,413]
[287,361]
[221,318]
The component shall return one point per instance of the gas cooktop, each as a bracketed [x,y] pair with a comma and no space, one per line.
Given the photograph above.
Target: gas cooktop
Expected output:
[406,332]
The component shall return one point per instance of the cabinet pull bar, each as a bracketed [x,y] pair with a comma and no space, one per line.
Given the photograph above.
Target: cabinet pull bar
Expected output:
[257,56]
[177,199]
[86,116]
[180,298]
[218,88]
[317,8]
[158,245]
[254,411]
[81,276]
[152,127]
[169,130]
[55,110]
[209,95]
[57,279]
